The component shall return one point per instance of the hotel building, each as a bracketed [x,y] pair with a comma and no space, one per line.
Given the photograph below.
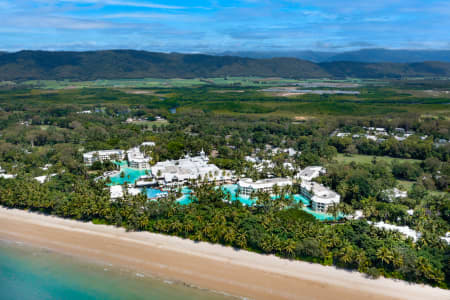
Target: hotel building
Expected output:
[102,155]
[320,196]
[247,186]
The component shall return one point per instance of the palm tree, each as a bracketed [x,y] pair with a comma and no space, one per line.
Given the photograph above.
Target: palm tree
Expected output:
[229,235]
[346,209]
[397,259]
[289,248]
[241,240]
[385,255]
[188,227]
[362,261]
[198,236]
[346,254]
[207,229]
[276,190]
[333,210]
[424,268]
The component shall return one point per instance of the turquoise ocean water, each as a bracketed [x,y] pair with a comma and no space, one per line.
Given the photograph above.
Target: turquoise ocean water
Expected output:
[28,273]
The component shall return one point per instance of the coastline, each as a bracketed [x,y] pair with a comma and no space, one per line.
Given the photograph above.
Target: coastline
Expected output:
[213,267]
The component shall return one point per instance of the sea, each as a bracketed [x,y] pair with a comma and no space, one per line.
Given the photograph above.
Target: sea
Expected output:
[29,273]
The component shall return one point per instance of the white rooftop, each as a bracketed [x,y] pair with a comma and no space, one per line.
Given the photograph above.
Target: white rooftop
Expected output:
[149,144]
[103,152]
[320,193]
[309,173]
[116,191]
[264,183]
[405,230]
[7,176]
[189,168]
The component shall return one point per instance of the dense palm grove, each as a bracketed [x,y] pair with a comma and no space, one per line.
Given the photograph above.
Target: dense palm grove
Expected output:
[34,134]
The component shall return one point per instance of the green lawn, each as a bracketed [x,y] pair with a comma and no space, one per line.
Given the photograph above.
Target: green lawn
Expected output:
[406,184]
[358,158]
[157,123]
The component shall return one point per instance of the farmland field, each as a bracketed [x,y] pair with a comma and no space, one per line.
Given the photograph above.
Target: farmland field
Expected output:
[358,158]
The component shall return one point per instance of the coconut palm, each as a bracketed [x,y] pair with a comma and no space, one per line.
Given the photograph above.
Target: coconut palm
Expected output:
[385,255]
[241,240]
[334,210]
[289,248]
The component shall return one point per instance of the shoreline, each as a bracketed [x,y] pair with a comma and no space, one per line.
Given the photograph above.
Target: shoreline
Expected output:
[132,284]
[199,264]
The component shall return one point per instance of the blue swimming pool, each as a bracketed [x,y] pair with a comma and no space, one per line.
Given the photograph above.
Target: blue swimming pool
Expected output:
[232,189]
[130,176]
[155,193]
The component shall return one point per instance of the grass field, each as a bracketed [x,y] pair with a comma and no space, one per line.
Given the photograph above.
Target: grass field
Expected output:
[406,185]
[179,83]
[358,158]
[161,83]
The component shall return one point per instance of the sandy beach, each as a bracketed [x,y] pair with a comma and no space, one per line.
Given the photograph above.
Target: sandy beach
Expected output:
[208,266]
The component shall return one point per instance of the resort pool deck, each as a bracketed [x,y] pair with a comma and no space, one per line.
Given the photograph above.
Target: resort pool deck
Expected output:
[186,198]
[232,189]
[320,216]
[122,163]
[131,175]
[155,193]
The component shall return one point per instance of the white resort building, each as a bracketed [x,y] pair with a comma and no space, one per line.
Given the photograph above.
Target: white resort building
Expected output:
[7,176]
[289,151]
[137,160]
[44,178]
[309,173]
[117,191]
[321,197]
[148,144]
[173,173]
[102,155]
[405,230]
[247,186]
[393,194]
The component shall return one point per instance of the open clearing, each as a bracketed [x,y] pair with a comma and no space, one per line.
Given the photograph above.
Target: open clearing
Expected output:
[358,158]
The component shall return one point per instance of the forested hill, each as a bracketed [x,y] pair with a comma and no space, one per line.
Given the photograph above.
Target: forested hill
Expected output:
[377,55]
[114,64]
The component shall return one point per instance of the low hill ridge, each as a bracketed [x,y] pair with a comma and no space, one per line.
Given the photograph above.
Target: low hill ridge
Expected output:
[114,64]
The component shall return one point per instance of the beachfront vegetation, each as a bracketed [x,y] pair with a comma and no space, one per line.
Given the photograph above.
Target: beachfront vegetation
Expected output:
[55,127]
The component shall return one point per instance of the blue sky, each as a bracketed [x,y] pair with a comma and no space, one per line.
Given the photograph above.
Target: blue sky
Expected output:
[224,25]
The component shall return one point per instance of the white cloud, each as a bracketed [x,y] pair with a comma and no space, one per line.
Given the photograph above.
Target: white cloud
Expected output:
[53,22]
[154,16]
[126,3]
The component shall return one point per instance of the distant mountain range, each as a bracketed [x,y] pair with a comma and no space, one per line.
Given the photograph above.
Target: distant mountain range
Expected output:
[364,55]
[115,64]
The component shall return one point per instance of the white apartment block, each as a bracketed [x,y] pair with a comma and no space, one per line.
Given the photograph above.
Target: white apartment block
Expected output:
[321,197]
[247,186]
[102,155]
[137,160]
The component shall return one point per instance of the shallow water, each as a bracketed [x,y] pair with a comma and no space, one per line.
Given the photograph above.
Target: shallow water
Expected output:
[28,273]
